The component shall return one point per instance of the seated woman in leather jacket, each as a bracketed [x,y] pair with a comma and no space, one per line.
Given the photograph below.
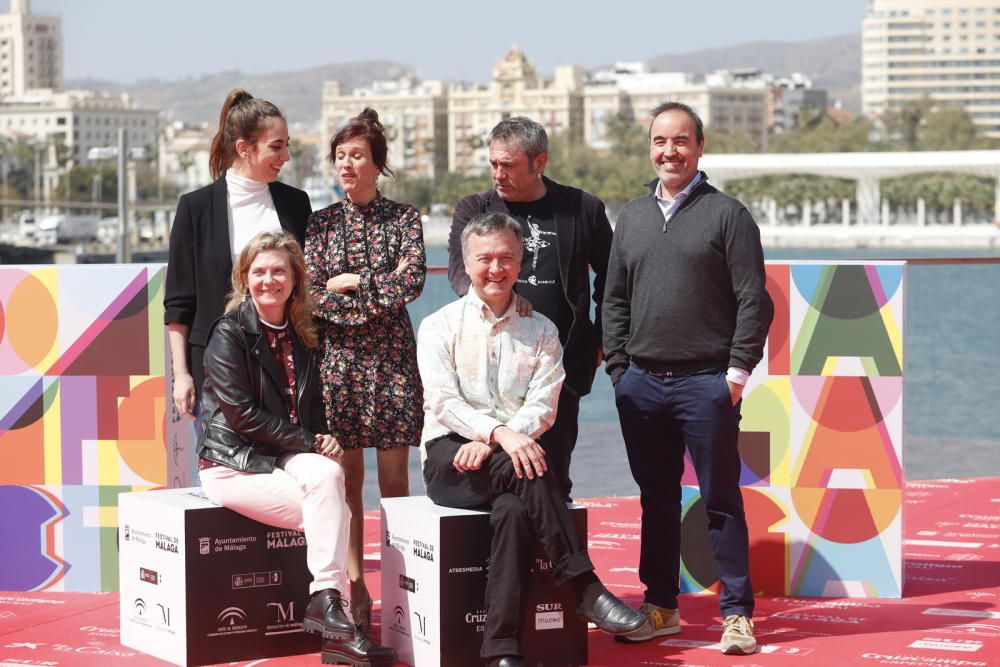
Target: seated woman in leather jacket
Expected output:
[264,449]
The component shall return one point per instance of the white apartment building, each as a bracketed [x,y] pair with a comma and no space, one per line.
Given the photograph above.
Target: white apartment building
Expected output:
[948,50]
[723,102]
[77,120]
[185,153]
[602,103]
[30,50]
[413,113]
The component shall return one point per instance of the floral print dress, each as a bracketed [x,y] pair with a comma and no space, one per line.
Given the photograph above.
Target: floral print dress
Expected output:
[371,385]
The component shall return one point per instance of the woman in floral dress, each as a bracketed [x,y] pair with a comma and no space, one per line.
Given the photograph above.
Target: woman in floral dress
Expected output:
[365,257]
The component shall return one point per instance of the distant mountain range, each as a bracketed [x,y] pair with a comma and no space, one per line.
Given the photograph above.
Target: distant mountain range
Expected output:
[298,93]
[833,63]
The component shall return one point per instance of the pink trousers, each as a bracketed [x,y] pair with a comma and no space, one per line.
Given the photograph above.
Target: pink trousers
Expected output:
[307,495]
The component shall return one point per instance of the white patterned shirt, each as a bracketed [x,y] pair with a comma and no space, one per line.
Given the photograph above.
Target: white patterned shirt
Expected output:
[481,371]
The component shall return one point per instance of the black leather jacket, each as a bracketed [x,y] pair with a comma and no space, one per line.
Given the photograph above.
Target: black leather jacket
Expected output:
[244,418]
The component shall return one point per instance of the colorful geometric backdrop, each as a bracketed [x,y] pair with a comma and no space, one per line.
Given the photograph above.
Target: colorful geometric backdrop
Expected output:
[83,418]
[821,439]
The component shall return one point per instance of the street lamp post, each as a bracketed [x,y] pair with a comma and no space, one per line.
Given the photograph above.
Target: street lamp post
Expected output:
[38,184]
[96,192]
[124,251]
[4,167]
[124,155]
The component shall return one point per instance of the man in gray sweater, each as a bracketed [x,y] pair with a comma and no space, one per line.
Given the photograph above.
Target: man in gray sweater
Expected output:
[685,319]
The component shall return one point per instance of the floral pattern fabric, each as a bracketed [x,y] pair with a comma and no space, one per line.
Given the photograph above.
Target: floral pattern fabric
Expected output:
[371,385]
[280,343]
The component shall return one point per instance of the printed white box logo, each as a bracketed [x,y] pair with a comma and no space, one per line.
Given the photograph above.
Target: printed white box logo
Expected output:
[549,620]
[962,645]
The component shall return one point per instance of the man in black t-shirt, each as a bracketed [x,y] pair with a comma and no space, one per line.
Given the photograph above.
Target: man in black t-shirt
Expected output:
[566,234]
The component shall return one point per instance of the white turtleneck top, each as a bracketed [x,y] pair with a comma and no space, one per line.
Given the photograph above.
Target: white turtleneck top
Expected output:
[251,211]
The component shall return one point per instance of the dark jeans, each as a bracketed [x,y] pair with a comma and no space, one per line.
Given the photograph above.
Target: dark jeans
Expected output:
[559,441]
[520,509]
[660,417]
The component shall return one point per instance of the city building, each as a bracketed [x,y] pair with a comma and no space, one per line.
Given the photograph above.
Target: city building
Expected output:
[516,89]
[948,50]
[63,125]
[75,121]
[413,113]
[786,95]
[434,126]
[789,95]
[30,50]
[185,154]
[601,104]
[725,102]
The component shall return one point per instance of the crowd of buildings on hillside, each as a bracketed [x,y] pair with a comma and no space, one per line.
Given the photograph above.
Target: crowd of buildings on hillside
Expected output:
[64,125]
[436,126]
[949,49]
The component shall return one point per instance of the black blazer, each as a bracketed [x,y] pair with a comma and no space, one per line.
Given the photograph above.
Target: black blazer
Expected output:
[200,263]
[245,420]
[584,243]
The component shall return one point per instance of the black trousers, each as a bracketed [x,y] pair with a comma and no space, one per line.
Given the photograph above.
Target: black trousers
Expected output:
[520,509]
[560,440]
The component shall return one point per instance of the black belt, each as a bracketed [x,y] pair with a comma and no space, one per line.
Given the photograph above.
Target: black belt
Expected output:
[677,368]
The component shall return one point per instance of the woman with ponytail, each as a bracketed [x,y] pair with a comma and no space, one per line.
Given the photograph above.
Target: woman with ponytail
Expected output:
[213,224]
[365,258]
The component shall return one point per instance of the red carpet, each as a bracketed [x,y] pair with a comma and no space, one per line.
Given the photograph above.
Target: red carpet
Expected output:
[949,615]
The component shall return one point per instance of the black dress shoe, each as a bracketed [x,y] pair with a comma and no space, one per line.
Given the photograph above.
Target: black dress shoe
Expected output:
[325,615]
[507,661]
[611,615]
[361,651]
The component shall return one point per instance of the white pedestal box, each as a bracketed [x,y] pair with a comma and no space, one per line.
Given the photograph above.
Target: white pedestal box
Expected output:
[201,584]
[434,563]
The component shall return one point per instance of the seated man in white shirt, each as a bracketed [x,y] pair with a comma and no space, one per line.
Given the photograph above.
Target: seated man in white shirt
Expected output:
[491,386]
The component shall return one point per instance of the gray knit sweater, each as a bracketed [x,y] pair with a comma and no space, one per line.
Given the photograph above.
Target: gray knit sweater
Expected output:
[690,293]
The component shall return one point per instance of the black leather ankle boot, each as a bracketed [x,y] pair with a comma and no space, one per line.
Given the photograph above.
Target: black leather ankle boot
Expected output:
[325,615]
[361,650]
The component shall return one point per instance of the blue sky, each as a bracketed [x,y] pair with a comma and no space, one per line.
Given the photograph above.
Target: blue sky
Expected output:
[123,40]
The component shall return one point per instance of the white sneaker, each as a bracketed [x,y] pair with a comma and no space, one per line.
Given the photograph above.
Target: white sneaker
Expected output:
[737,636]
[660,622]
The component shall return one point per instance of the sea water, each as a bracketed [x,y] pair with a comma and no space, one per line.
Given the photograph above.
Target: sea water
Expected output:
[952,368]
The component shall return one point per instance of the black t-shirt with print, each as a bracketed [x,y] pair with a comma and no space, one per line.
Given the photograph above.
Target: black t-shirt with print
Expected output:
[539,281]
